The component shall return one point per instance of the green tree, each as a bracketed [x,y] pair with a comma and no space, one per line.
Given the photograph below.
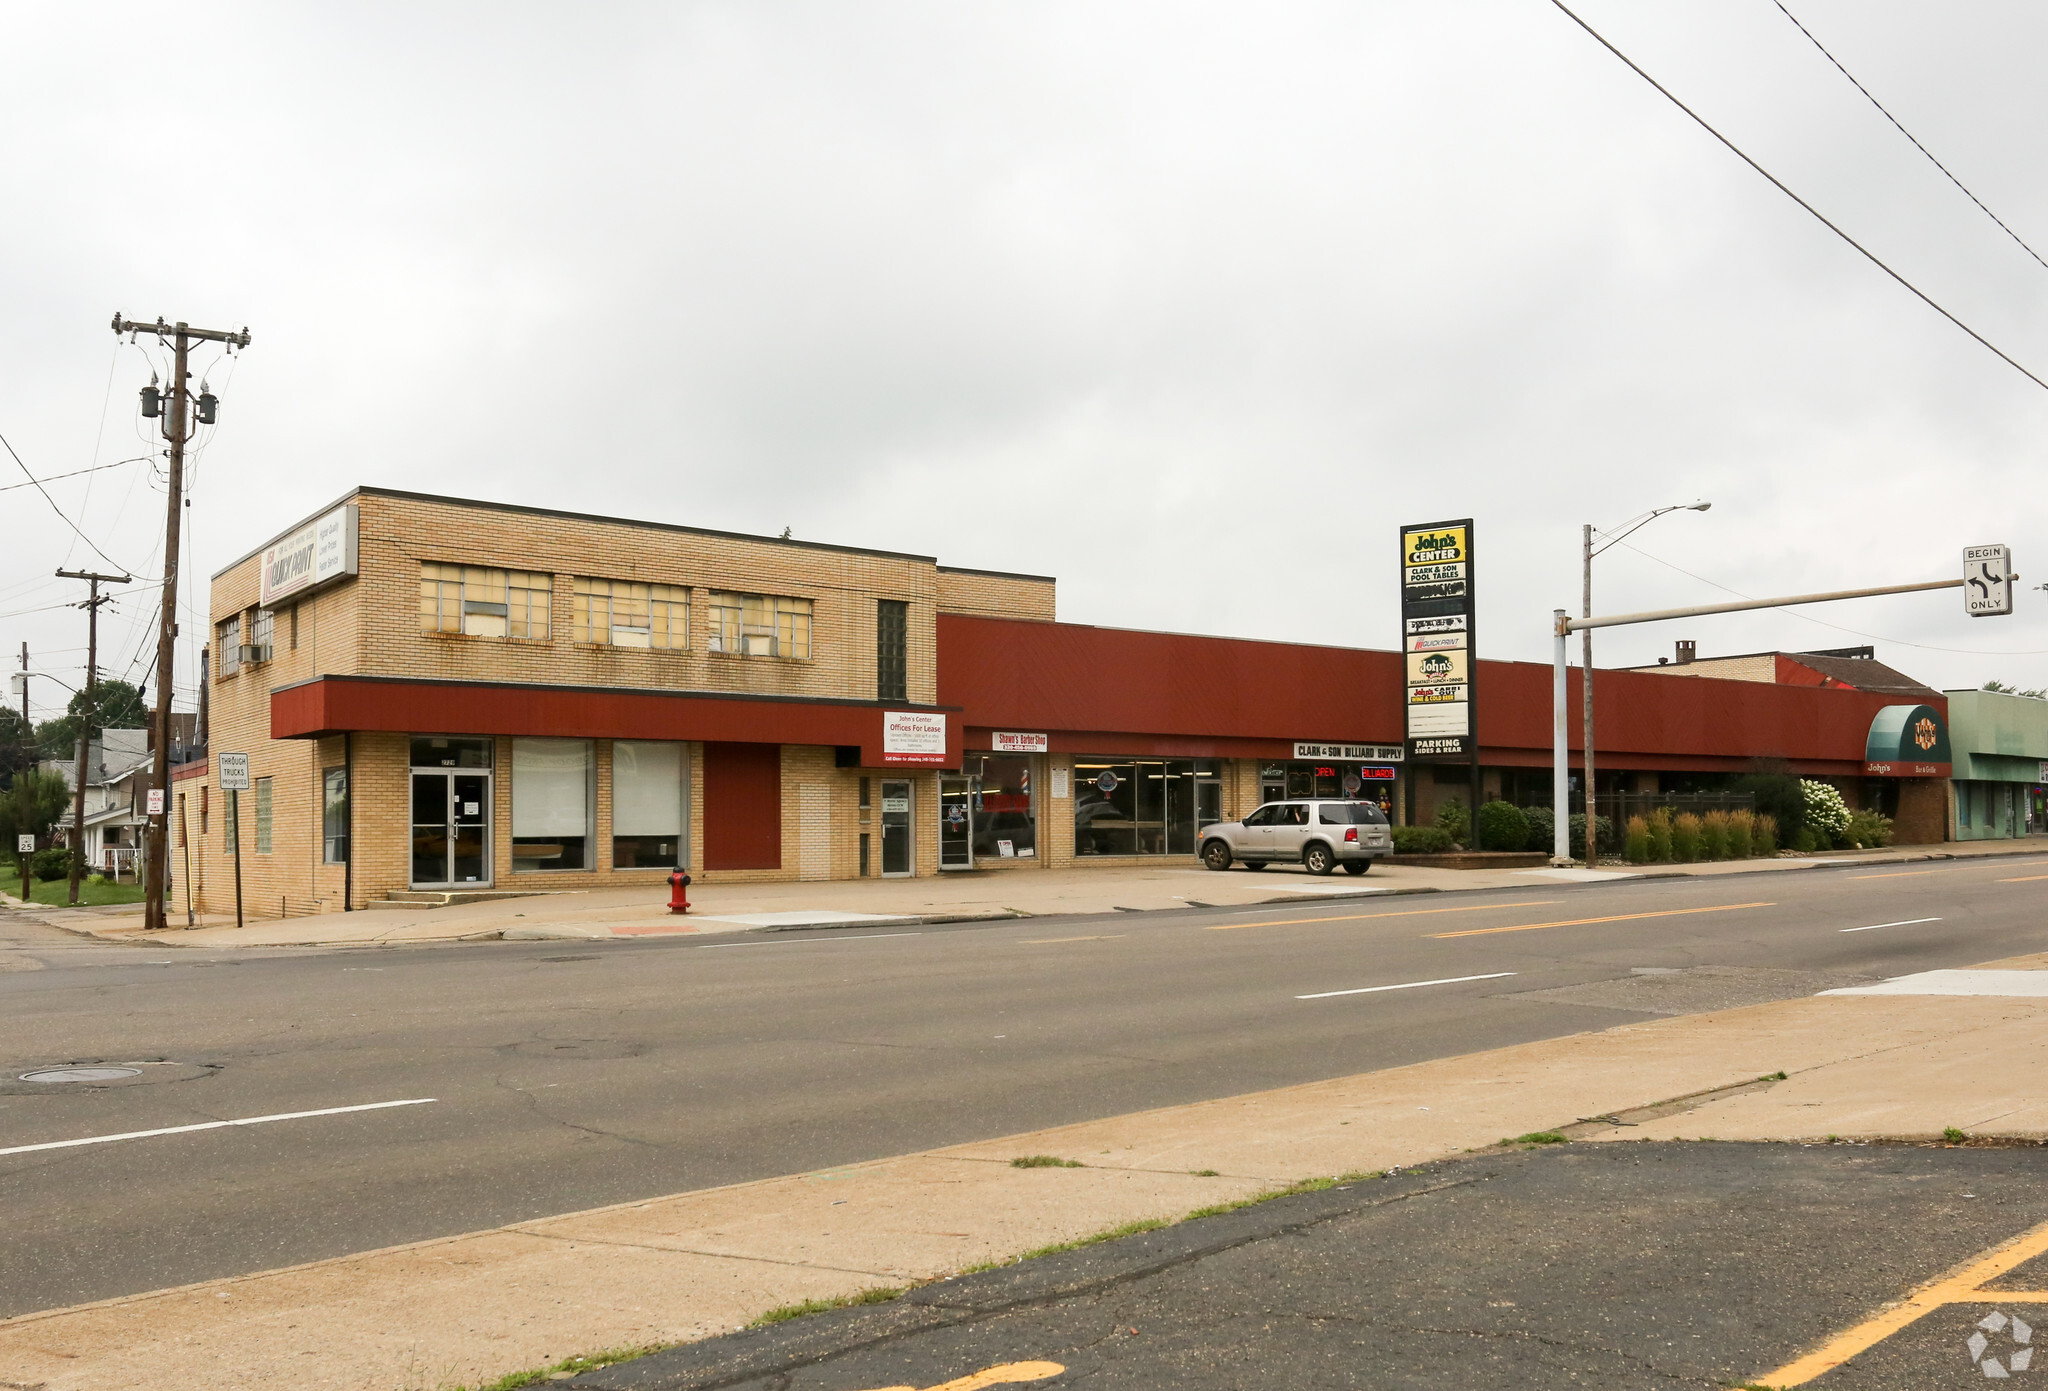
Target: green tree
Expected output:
[120,707]
[2003,689]
[17,745]
[36,802]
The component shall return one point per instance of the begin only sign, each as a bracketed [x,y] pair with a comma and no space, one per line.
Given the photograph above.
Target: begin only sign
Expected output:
[1987,581]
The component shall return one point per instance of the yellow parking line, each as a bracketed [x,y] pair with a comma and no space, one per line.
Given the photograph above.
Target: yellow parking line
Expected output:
[1617,918]
[1009,1374]
[1964,1286]
[1406,913]
[1902,874]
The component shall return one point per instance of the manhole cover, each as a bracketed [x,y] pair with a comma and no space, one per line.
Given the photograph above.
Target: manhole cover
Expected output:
[81,1074]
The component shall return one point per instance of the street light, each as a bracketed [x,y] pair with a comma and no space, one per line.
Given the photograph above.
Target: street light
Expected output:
[1588,551]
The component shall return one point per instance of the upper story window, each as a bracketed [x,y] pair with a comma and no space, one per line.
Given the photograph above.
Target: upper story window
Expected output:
[632,615]
[761,625]
[262,633]
[484,603]
[892,649]
[227,646]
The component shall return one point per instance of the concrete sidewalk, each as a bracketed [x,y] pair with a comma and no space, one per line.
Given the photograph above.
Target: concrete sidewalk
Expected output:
[466,1309]
[642,911]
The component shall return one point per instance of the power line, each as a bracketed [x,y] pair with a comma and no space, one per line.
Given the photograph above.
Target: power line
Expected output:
[60,511]
[96,468]
[1858,632]
[1778,184]
[1908,134]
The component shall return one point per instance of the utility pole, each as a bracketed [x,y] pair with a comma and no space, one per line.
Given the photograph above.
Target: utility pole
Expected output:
[177,428]
[90,715]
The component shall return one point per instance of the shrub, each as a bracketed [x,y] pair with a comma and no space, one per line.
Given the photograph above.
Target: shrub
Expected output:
[1603,835]
[1502,826]
[1421,840]
[54,863]
[1868,829]
[1714,835]
[1636,849]
[1741,834]
[1766,835]
[1452,821]
[1777,794]
[1822,808]
[1542,829]
[1685,837]
[1660,836]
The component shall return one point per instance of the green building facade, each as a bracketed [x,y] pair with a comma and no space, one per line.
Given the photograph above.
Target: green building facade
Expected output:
[2000,775]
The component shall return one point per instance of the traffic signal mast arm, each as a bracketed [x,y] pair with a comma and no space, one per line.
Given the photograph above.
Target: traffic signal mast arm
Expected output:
[1567,624]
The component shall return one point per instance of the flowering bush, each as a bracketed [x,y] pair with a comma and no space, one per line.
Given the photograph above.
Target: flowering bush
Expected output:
[1825,809]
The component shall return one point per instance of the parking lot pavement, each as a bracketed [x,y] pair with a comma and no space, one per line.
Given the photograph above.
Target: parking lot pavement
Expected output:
[1655,1264]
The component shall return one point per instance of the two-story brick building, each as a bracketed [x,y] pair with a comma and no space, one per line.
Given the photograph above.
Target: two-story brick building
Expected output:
[439,694]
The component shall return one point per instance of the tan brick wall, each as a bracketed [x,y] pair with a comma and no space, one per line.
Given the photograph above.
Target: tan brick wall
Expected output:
[1758,667]
[995,596]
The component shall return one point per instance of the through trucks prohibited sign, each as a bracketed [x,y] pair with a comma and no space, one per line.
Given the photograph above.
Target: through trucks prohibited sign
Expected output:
[234,772]
[1987,581]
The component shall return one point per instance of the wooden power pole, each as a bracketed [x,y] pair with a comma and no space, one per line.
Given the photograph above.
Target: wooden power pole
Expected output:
[89,716]
[177,429]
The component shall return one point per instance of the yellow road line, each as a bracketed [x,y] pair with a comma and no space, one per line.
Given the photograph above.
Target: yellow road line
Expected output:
[2024,879]
[1405,913]
[1048,941]
[1009,1374]
[1902,874]
[1617,918]
[1963,1286]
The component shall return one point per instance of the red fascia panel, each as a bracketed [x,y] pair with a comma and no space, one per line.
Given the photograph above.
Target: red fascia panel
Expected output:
[334,704]
[1037,677]
[1794,673]
[195,769]
[1228,697]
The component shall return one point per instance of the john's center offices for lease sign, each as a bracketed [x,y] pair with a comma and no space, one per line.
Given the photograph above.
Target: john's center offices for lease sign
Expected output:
[1437,634]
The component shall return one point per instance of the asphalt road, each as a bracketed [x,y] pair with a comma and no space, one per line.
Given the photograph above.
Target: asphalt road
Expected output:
[1612,1265]
[566,1076]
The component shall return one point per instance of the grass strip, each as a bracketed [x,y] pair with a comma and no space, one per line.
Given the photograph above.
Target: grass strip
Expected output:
[588,1362]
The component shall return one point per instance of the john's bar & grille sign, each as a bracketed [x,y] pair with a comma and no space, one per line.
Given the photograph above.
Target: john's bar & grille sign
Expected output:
[1437,636]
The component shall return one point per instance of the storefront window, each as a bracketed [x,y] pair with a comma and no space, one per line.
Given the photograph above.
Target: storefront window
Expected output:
[334,816]
[1003,811]
[551,803]
[1143,806]
[1367,782]
[650,795]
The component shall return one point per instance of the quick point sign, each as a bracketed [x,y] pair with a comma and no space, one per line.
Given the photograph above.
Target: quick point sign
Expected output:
[322,550]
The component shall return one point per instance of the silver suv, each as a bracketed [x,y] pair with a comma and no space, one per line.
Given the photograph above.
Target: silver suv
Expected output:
[1318,835]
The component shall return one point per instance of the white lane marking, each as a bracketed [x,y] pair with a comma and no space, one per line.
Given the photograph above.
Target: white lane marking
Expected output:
[213,1125]
[1406,985]
[1908,922]
[2009,984]
[801,941]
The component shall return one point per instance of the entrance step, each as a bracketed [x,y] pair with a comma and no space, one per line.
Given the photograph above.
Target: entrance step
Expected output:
[429,898]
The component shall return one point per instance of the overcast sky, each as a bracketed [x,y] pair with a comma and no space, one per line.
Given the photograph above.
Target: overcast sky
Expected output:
[1187,305]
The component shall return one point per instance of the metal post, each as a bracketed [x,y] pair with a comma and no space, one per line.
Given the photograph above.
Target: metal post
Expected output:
[90,714]
[235,820]
[1560,752]
[1586,704]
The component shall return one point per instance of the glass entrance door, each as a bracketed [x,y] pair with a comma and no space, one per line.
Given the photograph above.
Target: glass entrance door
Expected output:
[896,859]
[451,829]
[956,823]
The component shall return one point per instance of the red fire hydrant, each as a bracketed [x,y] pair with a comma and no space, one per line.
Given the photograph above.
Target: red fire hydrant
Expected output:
[679,898]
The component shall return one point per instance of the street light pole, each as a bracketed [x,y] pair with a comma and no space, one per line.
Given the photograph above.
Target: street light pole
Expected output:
[1587,552]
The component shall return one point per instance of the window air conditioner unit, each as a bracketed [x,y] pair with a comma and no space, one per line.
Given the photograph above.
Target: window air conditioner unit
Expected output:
[758,645]
[248,654]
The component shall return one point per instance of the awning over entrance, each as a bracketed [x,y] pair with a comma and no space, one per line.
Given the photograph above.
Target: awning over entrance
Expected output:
[888,736]
[1907,741]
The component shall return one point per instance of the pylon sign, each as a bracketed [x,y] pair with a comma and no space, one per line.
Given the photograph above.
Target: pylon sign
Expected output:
[1987,581]
[1437,637]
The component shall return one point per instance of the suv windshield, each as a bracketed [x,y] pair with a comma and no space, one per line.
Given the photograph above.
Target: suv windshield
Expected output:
[1350,814]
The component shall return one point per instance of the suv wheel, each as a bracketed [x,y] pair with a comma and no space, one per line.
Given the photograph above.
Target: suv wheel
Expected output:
[1216,855]
[1357,866]
[1319,859]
